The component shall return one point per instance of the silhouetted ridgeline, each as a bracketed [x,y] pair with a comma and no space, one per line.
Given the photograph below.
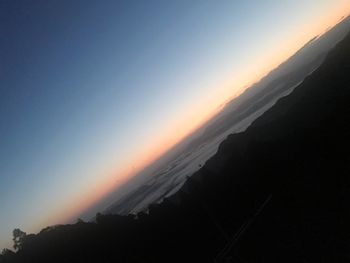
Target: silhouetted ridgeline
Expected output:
[279,192]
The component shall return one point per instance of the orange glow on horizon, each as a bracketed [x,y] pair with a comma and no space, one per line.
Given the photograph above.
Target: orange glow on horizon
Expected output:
[191,119]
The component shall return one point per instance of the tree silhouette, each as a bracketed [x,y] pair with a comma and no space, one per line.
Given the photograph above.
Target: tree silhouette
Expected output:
[98,218]
[18,237]
[80,221]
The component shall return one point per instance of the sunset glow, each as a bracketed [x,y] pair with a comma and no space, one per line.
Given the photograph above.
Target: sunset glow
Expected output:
[192,118]
[89,101]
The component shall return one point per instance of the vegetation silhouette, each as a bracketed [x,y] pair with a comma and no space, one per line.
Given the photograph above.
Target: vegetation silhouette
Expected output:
[18,238]
[278,192]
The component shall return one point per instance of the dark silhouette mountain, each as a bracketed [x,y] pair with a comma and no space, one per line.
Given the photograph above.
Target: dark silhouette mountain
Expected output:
[169,172]
[278,192]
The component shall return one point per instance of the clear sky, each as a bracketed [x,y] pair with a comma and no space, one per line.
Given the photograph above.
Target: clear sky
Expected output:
[92,91]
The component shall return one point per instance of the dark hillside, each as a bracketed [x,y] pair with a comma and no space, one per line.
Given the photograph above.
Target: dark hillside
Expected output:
[278,192]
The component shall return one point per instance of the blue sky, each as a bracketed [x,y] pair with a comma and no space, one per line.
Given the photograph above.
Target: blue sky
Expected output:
[88,88]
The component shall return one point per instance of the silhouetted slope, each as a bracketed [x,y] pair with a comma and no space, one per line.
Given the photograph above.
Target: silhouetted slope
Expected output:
[299,152]
[278,192]
[166,175]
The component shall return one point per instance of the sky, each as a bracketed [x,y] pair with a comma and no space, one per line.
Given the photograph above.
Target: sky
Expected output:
[93,91]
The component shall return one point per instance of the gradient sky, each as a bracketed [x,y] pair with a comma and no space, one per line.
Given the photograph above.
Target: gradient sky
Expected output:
[92,91]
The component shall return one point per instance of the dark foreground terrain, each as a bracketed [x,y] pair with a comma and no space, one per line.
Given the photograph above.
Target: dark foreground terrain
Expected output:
[278,192]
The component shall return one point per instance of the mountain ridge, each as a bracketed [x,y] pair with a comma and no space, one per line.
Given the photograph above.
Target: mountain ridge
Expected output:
[277,192]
